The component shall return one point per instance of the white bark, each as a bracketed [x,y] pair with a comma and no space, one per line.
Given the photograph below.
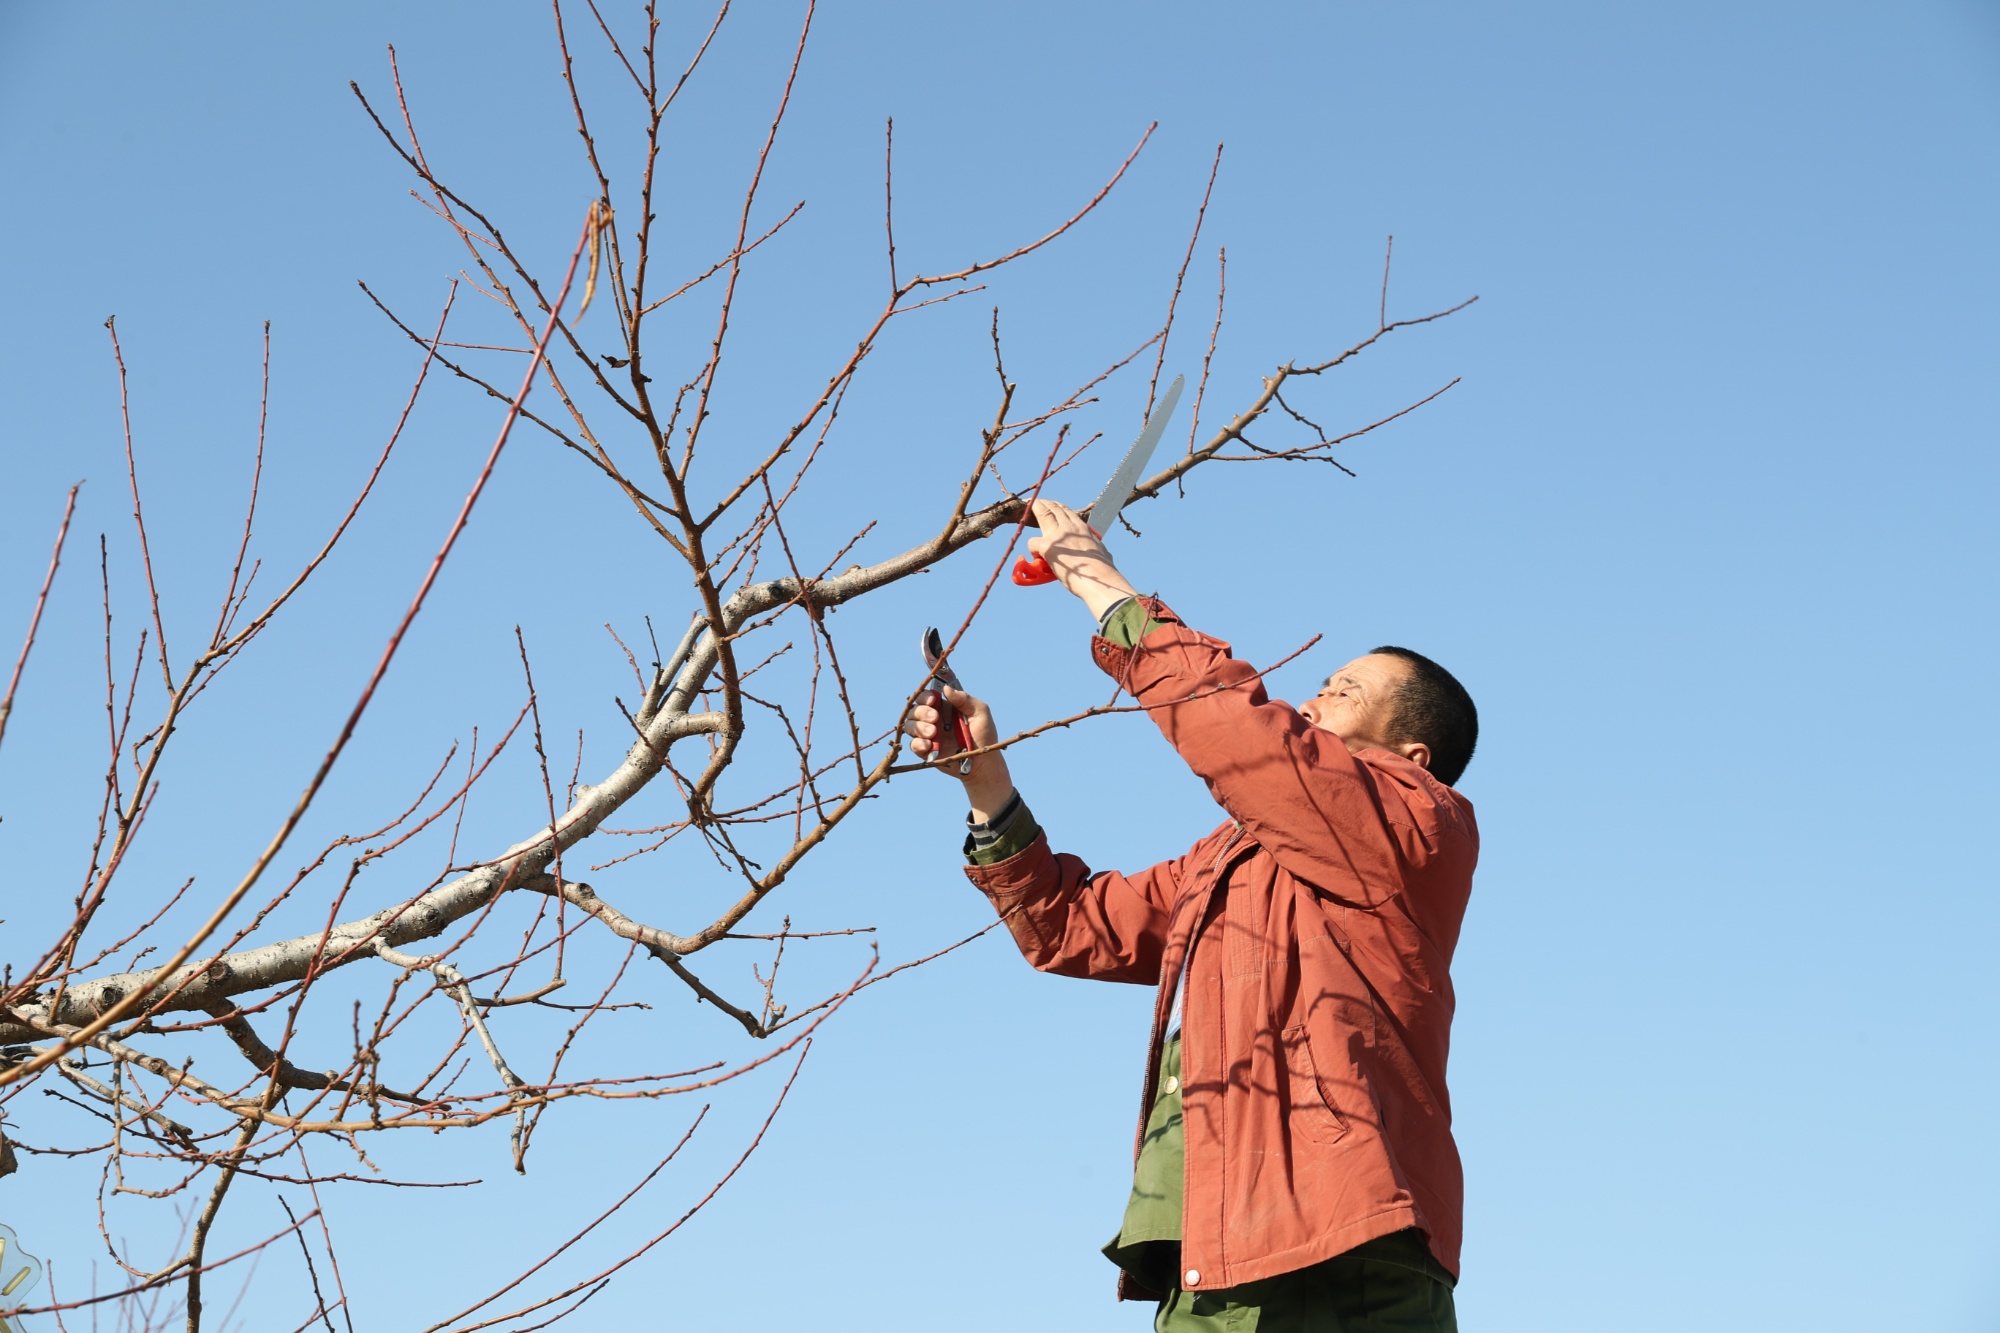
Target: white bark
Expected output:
[201,983]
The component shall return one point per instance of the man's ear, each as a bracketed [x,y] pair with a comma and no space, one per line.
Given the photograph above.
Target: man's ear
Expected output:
[1416,751]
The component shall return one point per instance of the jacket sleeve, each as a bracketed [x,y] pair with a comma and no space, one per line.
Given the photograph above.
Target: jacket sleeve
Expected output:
[1106,926]
[1331,820]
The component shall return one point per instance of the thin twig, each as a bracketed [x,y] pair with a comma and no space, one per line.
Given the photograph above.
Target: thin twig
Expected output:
[35,620]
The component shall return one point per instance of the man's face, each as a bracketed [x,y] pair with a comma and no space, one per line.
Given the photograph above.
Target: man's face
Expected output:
[1357,703]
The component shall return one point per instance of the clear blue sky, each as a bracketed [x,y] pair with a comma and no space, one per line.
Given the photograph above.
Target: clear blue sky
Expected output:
[1707,529]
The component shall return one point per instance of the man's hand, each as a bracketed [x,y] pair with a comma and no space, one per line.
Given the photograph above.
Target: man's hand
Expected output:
[1078,557]
[989,786]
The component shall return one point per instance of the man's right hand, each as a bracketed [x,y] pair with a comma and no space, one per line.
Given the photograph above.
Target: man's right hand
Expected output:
[989,786]
[1077,555]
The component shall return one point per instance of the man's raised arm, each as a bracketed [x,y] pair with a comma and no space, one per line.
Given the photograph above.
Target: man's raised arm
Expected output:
[1106,926]
[1296,787]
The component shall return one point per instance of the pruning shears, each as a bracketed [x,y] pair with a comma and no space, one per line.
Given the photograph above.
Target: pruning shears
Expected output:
[1103,511]
[941,676]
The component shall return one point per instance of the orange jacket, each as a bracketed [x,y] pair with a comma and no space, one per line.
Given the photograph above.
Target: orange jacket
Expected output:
[1319,1001]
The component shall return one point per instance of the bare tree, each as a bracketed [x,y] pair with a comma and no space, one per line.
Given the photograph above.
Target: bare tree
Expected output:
[750,717]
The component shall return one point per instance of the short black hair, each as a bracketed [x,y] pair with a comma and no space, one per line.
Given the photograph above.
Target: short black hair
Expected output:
[1432,707]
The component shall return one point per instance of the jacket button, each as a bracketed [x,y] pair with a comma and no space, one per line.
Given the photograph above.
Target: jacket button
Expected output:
[1193,1278]
[1171,1086]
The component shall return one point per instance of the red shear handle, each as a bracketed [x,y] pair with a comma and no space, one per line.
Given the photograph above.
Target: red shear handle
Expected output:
[1033,571]
[960,728]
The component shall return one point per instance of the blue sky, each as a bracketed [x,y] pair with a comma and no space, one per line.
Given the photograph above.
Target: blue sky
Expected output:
[1706,527]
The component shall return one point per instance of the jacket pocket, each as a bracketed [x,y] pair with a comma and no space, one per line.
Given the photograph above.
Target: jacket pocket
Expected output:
[1311,1112]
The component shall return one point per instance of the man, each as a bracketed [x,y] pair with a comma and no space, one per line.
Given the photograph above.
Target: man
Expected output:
[1295,1168]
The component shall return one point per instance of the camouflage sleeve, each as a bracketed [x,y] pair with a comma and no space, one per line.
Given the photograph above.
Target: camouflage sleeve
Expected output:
[1008,833]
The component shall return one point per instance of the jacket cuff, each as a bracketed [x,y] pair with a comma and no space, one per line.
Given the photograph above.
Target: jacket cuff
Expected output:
[1137,617]
[1011,883]
[1008,880]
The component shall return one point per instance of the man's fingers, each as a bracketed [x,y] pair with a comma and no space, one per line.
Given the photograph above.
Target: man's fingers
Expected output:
[1054,518]
[921,725]
[976,714]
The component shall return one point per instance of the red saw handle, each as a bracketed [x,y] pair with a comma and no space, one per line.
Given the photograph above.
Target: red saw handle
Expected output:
[1033,571]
